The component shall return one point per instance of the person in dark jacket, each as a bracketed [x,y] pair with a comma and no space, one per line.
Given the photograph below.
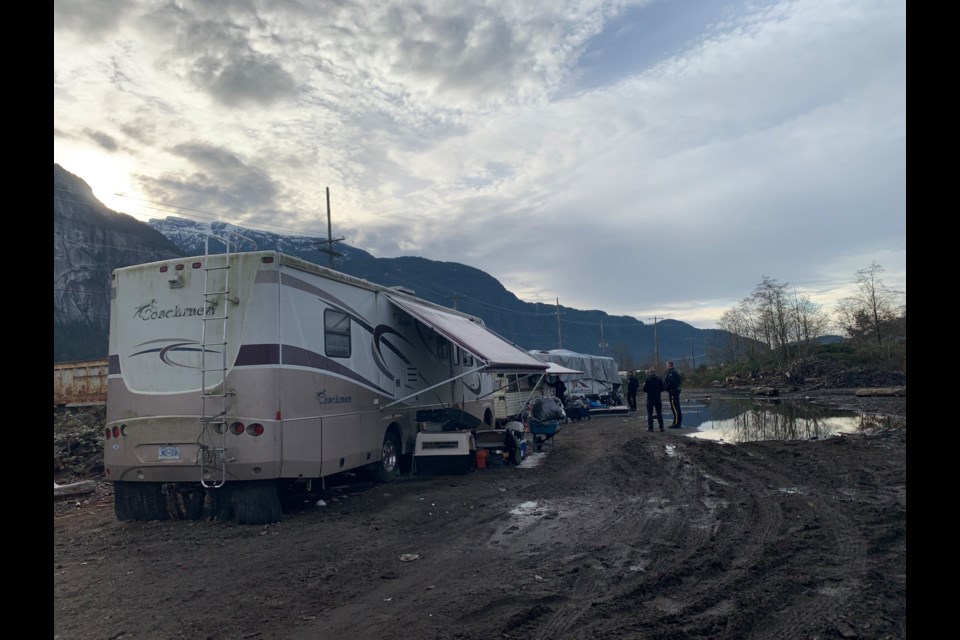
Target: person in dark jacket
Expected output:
[559,389]
[633,385]
[653,387]
[671,384]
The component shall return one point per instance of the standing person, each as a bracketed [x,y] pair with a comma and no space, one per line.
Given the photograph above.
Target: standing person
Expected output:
[671,384]
[559,389]
[653,387]
[633,385]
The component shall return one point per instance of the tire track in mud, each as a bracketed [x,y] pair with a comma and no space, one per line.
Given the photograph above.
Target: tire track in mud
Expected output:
[616,534]
[777,574]
[731,522]
[784,555]
[656,513]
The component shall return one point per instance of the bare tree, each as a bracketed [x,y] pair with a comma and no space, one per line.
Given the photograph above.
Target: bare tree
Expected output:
[736,324]
[771,312]
[875,312]
[809,321]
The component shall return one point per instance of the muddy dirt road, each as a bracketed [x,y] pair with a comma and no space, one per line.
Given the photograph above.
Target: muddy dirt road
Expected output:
[613,532]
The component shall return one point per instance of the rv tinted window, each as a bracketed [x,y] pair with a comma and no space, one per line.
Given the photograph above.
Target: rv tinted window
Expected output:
[336,333]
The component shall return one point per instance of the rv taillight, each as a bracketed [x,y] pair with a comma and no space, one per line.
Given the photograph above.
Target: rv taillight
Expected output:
[179,267]
[106,434]
[266,259]
[236,428]
[255,429]
[116,431]
[195,265]
[163,269]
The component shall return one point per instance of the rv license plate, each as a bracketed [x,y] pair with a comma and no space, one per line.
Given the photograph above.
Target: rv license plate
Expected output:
[169,453]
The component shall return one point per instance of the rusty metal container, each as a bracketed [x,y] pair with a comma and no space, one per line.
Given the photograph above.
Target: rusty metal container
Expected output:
[81,382]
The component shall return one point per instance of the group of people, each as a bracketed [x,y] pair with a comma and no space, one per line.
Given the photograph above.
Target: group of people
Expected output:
[654,387]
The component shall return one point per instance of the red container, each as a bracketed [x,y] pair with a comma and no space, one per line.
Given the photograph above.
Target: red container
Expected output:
[482,459]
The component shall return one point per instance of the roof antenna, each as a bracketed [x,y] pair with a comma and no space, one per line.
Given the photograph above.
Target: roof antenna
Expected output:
[329,250]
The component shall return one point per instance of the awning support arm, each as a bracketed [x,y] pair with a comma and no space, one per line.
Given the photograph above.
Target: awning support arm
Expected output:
[542,376]
[439,384]
[509,384]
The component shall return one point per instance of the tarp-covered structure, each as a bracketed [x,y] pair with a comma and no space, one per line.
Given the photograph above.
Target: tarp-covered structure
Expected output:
[601,375]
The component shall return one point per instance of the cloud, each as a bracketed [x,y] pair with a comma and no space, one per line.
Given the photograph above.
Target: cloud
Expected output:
[103,140]
[217,179]
[638,157]
[89,19]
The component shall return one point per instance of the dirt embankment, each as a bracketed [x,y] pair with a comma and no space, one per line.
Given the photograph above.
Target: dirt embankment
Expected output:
[612,532]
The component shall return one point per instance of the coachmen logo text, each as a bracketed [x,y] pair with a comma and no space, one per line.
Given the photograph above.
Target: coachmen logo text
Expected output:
[322,398]
[149,311]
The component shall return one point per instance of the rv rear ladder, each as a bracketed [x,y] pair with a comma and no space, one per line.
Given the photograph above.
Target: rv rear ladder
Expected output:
[213,370]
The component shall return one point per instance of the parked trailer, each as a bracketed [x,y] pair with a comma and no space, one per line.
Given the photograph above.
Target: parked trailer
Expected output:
[514,392]
[233,373]
[79,383]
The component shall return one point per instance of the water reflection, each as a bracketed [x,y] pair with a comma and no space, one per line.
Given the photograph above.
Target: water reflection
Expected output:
[749,419]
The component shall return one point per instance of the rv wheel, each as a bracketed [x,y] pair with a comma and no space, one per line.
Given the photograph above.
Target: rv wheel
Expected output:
[139,501]
[386,470]
[255,502]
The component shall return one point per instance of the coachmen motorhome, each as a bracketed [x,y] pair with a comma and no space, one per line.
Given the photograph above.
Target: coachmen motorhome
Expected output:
[231,373]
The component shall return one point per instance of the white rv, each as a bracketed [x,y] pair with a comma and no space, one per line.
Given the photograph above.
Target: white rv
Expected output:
[232,373]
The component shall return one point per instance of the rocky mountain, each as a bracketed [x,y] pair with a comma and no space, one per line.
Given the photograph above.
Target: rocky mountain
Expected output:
[91,240]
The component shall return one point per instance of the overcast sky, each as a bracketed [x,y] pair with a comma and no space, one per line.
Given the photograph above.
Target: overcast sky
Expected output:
[653,158]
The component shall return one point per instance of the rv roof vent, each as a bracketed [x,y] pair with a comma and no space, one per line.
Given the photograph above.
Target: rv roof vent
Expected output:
[403,289]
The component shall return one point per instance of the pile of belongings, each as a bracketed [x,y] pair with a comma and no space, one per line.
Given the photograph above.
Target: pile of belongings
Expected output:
[578,408]
[546,409]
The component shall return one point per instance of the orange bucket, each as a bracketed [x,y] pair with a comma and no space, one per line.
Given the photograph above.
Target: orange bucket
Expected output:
[482,459]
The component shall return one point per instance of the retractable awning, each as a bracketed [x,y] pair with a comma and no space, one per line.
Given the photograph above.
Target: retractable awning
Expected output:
[554,369]
[498,355]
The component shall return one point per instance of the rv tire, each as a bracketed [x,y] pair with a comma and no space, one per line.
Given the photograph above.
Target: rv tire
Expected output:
[255,502]
[139,501]
[389,465]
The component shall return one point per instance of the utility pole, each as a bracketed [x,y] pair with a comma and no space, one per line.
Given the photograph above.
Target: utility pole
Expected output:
[693,356]
[329,250]
[656,342]
[559,338]
[455,297]
[603,343]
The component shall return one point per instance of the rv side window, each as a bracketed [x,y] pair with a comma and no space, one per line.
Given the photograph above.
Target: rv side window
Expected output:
[336,333]
[467,359]
[443,348]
